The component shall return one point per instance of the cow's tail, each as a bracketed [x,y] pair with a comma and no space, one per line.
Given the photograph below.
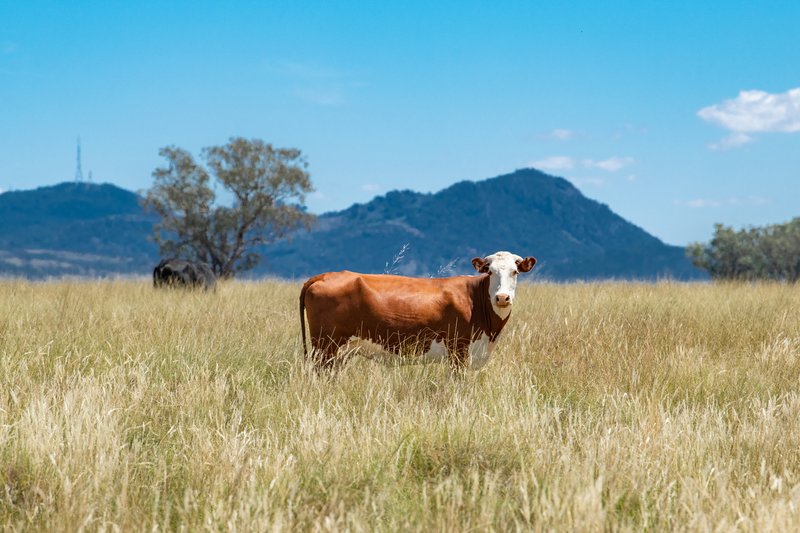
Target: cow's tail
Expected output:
[306,285]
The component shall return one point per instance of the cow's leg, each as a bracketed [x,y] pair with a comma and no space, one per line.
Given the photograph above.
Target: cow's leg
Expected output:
[325,352]
[458,352]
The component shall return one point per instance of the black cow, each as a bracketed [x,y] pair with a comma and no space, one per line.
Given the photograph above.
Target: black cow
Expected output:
[183,273]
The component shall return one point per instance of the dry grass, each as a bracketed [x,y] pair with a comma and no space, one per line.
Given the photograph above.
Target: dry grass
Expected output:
[605,407]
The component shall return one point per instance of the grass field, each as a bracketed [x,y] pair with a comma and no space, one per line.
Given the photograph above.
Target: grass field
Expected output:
[605,407]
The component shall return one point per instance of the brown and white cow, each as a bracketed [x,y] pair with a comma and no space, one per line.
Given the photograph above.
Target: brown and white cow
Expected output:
[456,319]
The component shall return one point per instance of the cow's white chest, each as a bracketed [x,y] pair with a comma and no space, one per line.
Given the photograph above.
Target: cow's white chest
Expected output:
[479,352]
[502,312]
[437,353]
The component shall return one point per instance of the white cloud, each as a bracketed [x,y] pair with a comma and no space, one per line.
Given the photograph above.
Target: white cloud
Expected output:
[612,164]
[699,203]
[757,111]
[750,200]
[592,182]
[561,134]
[734,140]
[635,129]
[741,201]
[556,162]
[370,187]
[562,162]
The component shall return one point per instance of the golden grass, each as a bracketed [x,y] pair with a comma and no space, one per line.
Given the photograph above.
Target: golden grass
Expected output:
[605,407]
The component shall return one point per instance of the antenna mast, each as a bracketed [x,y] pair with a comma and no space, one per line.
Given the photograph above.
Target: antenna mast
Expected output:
[78,169]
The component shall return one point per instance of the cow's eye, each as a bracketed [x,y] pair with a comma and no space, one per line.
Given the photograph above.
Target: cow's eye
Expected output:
[514,274]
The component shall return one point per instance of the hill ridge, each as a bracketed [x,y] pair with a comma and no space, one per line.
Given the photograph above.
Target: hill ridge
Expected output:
[89,229]
[365,236]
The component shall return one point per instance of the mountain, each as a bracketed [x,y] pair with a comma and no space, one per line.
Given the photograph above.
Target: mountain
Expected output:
[98,230]
[74,229]
[526,212]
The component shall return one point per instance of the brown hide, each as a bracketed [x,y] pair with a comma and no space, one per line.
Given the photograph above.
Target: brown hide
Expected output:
[401,314]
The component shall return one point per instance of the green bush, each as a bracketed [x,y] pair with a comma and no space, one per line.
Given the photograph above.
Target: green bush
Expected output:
[769,252]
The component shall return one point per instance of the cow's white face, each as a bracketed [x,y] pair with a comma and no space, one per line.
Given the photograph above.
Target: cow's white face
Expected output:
[503,268]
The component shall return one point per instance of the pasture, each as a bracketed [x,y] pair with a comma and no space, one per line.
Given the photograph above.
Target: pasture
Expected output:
[606,406]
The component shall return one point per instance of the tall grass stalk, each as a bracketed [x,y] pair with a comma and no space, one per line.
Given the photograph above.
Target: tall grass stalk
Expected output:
[605,407]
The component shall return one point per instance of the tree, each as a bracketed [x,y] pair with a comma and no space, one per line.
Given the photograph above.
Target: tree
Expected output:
[769,252]
[267,188]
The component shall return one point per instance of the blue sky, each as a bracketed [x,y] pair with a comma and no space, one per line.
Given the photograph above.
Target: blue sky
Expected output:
[676,115]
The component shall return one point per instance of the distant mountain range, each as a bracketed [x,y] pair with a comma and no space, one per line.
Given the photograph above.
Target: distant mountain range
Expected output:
[74,229]
[526,212]
[99,230]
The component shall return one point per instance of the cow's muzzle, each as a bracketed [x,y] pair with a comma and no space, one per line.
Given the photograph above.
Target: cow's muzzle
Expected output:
[502,300]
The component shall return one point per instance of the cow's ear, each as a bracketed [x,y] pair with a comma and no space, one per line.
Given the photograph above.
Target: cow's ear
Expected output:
[526,264]
[481,265]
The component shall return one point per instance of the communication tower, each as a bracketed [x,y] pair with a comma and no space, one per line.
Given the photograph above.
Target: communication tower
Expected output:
[78,169]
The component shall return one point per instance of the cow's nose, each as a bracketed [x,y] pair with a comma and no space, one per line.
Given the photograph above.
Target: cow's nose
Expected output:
[503,300]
